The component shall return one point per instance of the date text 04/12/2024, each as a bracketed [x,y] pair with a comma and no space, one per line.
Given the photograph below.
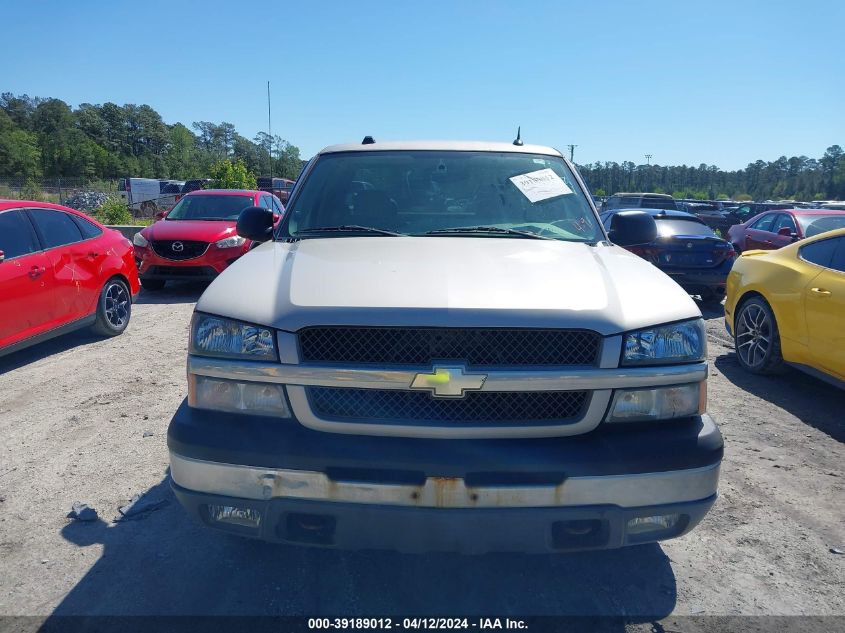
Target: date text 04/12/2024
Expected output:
[416,623]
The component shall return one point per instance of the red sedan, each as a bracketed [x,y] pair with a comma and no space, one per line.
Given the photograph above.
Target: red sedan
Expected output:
[196,239]
[60,271]
[774,229]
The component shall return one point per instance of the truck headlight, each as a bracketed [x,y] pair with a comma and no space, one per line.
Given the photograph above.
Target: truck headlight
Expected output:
[140,240]
[664,344]
[217,336]
[230,242]
[658,403]
[257,398]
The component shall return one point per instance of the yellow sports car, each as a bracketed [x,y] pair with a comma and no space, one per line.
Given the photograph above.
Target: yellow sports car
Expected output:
[788,306]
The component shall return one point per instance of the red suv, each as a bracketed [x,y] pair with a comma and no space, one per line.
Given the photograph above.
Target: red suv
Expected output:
[196,239]
[60,271]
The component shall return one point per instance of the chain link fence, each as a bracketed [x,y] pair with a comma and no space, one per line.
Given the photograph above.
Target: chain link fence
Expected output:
[58,190]
[85,194]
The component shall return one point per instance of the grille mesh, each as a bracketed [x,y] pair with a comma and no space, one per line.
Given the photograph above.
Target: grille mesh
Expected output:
[475,347]
[190,248]
[420,408]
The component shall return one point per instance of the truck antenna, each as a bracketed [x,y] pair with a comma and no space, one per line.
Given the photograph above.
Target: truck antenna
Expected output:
[518,139]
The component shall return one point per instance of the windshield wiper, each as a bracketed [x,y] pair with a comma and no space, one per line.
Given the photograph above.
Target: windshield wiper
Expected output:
[488,229]
[348,228]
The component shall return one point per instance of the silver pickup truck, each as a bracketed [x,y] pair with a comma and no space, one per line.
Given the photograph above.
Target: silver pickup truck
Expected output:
[440,348]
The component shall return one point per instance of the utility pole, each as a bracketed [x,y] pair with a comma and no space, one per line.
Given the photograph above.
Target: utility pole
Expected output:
[572,152]
[269,134]
[648,159]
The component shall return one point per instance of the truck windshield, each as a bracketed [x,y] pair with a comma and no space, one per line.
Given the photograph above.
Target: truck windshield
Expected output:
[454,193]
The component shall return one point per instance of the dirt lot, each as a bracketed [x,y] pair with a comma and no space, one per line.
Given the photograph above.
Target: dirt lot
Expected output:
[85,419]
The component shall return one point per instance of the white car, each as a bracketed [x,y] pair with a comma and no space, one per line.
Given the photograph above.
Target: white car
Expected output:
[455,356]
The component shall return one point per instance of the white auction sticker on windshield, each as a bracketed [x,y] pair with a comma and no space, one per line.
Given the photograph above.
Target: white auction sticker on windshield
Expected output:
[541,185]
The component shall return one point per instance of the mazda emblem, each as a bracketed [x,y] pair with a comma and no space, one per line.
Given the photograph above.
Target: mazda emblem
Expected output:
[177,247]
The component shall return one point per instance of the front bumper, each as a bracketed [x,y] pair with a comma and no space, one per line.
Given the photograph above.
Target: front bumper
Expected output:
[203,268]
[354,526]
[419,494]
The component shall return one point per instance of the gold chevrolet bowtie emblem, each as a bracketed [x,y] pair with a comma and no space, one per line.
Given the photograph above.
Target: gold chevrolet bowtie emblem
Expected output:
[448,381]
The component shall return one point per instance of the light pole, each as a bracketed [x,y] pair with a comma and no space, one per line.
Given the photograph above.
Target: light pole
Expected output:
[572,152]
[648,159]
[270,134]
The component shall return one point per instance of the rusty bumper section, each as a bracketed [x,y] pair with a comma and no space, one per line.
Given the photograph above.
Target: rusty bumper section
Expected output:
[245,482]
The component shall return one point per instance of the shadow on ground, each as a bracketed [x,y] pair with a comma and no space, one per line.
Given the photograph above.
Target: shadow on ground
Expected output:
[711,310]
[173,292]
[63,343]
[166,564]
[809,399]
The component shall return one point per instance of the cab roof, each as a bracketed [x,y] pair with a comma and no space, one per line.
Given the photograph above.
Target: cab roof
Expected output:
[446,146]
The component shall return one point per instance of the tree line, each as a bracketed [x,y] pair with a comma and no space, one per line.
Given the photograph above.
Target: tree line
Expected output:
[42,138]
[795,178]
[45,138]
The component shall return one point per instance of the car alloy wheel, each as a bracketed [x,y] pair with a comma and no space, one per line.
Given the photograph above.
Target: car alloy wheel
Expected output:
[755,335]
[116,305]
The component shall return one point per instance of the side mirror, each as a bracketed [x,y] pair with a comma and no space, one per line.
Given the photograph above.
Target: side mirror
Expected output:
[787,232]
[256,224]
[629,228]
[2,256]
[161,215]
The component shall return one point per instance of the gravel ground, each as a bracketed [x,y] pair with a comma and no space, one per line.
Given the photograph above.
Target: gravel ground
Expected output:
[85,419]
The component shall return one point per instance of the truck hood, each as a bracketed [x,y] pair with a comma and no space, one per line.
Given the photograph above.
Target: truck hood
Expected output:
[201,230]
[446,281]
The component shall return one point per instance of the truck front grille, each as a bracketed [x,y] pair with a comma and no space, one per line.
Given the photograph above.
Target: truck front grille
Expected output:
[479,347]
[421,409]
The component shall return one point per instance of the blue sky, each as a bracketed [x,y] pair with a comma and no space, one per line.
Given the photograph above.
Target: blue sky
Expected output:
[716,82]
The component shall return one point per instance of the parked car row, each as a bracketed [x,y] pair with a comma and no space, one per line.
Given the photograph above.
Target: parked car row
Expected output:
[70,272]
[150,196]
[775,229]
[687,250]
[714,233]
